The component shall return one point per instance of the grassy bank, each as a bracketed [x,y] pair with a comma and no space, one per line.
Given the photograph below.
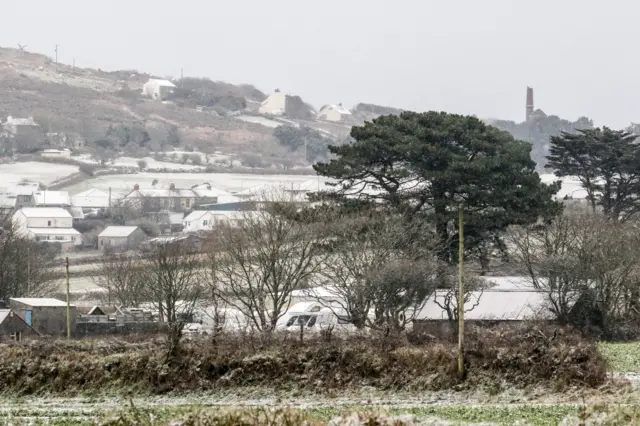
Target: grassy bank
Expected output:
[518,356]
[621,357]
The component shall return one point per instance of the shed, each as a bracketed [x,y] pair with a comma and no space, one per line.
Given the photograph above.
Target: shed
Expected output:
[124,237]
[13,327]
[46,316]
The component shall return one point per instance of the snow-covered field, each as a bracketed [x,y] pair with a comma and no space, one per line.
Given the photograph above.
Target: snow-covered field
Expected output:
[570,187]
[232,182]
[46,173]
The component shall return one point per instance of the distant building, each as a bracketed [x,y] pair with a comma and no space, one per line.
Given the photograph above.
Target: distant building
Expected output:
[93,199]
[56,153]
[121,237]
[332,112]
[158,89]
[22,193]
[14,327]
[24,129]
[51,199]
[151,200]
[65,140]
[49,225]
[204,220]
[275,104]
[48,317]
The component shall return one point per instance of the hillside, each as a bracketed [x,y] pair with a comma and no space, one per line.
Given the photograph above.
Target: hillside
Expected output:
[209,116]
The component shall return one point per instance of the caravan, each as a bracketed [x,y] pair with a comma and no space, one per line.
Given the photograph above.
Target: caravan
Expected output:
[312,316]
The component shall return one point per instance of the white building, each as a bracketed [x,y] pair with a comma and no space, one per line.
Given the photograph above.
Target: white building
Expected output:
[51,199]
[93,199]
[158,89]
[275,104]
[332,112]
[48,224]
[204,220]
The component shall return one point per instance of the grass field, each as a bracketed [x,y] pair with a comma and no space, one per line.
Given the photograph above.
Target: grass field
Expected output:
[622,357]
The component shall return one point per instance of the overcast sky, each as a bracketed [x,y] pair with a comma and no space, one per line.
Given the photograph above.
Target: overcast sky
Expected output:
[465,56]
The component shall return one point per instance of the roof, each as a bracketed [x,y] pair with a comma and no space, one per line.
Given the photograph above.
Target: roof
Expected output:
[52,198]
[93,192]
[342,110]
[195,215]
[21,189]
[117,231]
[39,301]
[162,193]
[21,121]
[7,201]
[161,82]
[54,231]
[4,313]
[45,212]
[210,192]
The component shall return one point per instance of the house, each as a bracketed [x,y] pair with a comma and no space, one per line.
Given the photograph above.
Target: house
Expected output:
[48,224]
[22,193]
[13,327]
[275,104]
[48,317]
[51,199]
[204,220]
[65,140]
[24,129]
[92,199]
[158,89]
[121,237]
[171,199]
[332,112]
[55,153]
[207,194]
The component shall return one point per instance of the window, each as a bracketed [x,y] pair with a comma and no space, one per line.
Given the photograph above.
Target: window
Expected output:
[73,238]
[312,321]
[205,223]
[291,321]
[48,223]
[188,202]
[59,238]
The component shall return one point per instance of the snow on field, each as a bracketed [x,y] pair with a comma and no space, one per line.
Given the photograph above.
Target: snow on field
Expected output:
[46,173]
[260,120]
[232,182]
[151,163]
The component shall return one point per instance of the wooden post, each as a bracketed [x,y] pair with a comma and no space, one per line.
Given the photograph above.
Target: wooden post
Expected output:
[68,303]
[461,292]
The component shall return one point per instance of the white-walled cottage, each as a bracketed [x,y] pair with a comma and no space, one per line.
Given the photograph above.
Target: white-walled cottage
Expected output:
[158,89]
[275,104]
[204,220]
[332,112]
[48,224]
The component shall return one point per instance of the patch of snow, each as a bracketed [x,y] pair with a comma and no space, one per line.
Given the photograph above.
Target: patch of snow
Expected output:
[260,120]
[13,173]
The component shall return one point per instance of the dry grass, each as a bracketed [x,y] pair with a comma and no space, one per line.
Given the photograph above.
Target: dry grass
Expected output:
[520,356]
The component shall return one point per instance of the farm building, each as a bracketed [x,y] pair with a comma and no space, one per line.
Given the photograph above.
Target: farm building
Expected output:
[158,89]
[51,199]
[121,237]
[275,104]
[48,317]
[13,327]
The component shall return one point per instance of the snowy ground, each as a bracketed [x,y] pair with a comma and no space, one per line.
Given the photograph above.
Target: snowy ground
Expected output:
[12,173]
[232,182]
[260,120]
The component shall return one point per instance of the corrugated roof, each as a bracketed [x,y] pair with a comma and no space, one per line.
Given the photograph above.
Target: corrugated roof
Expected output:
[45,212]
[39,301]
[117,231]
[49,198]
[54,231]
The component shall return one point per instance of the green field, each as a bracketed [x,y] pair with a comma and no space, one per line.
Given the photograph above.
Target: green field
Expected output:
[622,357]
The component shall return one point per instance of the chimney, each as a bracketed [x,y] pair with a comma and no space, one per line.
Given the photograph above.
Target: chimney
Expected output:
[529,110]
[172,186]
[136,187]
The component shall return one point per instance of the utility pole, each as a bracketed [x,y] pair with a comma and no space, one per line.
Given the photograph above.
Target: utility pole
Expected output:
[56,58]
[28,270]
[461,291]
[182,78]
[68,303]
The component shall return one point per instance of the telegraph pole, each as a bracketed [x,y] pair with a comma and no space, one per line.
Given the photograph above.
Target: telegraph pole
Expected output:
[461,291]
[56,58]
[68,303]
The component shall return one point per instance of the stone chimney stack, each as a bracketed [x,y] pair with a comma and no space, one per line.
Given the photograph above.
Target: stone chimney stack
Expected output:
[529,103]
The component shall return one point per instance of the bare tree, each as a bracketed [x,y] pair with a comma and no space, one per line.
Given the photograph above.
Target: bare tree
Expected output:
[26,267]
[582,255]
[120,275]
[448,296]
[380,275]
[260,259]
[173,282]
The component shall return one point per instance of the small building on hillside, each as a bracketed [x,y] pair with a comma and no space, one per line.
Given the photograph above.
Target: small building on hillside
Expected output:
[51,199]
[332,112]
[14,327]
[158,89]
[24,129]
[121,237]
[48,224]
[275,104]
[48,317]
